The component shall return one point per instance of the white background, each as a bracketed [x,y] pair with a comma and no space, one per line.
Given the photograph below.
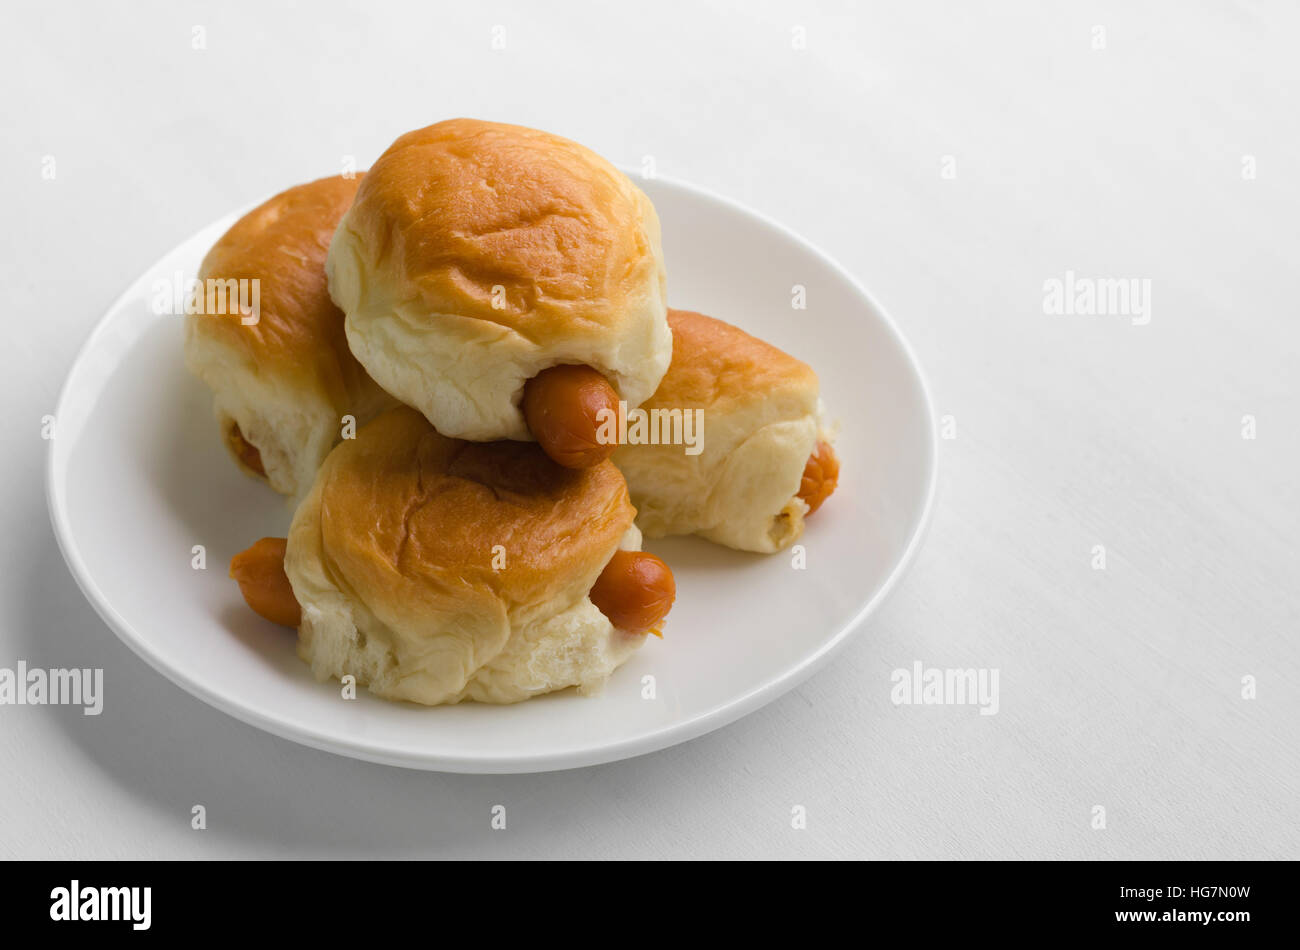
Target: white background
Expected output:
[1120,688]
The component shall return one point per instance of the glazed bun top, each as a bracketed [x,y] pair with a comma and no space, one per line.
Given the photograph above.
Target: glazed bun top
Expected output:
[299,335]
[508,225]
[718,366]
[417,525]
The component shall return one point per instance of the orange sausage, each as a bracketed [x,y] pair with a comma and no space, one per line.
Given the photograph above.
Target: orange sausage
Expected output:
[260,574]
[820,476]
[562,408]
[247,452]
[635,591]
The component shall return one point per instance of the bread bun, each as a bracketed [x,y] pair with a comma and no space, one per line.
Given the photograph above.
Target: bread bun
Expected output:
[283,383]
[478,254]
[436,570]
[760,424]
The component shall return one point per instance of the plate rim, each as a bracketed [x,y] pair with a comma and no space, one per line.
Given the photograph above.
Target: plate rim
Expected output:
[661,738]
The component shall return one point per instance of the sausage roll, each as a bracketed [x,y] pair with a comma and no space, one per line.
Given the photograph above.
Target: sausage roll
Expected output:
[437,570]
[479,255]
[764,461]
[269,342]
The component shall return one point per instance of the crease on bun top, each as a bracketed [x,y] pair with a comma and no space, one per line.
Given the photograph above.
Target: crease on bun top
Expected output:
[402,504]
[477,254]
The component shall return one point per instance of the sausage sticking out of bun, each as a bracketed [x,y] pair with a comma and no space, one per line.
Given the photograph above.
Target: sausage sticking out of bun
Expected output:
[765,461]
[436,570]
[505,282]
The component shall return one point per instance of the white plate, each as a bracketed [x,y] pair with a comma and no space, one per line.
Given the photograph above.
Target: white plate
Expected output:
[138,477]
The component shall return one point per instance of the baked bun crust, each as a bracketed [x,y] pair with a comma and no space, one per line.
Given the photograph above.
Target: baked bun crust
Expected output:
[284,383]
[436,570]
[760,424]
[478,254]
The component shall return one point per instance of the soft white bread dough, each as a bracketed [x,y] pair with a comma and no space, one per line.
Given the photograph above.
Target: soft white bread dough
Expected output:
[761,422]
[394,559]
[283,384]
[477,255]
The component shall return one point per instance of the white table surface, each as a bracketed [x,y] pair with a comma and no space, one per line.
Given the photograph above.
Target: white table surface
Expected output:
[1120,688]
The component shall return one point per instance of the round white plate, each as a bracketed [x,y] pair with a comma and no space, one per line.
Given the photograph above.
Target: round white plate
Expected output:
[138,478]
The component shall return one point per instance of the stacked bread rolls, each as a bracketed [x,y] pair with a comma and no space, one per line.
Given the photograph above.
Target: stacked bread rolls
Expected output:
[441,348]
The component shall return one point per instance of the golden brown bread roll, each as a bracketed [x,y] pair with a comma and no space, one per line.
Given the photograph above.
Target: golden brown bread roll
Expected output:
[283,383]
[478,254]
[436,570]
[761,422]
